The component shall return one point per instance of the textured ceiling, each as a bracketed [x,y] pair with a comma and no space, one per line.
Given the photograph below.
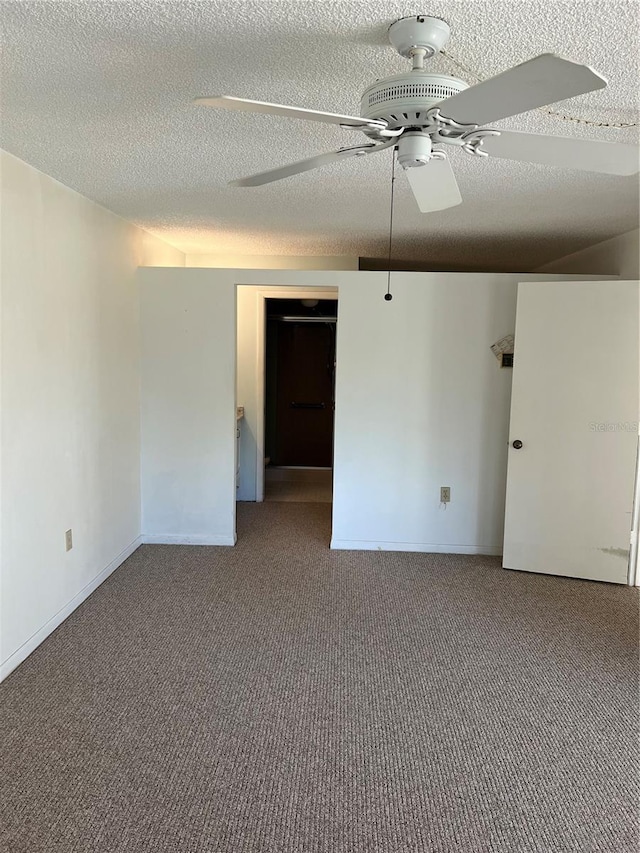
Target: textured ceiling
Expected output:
[98,95]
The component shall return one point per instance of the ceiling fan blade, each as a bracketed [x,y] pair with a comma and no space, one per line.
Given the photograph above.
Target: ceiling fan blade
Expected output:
[306,165]
[434,185]
[612,158]
[540,81]
[227,102]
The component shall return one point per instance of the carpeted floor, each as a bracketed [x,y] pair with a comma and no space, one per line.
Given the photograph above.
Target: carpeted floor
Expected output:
[282,698]
[308,485]
[298,492]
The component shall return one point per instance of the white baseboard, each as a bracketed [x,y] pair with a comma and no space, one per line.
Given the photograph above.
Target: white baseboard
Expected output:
[178,539]
[34,641]
[417,547]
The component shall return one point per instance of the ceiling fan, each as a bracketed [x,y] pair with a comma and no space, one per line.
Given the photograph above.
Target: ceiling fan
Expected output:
[416,111]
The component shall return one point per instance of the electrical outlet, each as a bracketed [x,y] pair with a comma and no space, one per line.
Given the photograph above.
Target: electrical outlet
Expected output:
[68,540]
[445,494]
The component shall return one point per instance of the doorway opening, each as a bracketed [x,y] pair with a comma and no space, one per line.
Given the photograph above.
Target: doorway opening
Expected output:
[299,400]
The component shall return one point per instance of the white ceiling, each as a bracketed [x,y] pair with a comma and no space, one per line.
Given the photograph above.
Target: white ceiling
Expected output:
[98,95]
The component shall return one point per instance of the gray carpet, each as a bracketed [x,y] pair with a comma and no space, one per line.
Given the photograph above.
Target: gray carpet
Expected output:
[282,698]
[299,492]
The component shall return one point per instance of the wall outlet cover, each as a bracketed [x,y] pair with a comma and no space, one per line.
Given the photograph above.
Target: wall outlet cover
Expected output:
[445,494]
[68,540]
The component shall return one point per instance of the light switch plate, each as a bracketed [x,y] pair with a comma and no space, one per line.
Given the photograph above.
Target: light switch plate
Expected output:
[68,540]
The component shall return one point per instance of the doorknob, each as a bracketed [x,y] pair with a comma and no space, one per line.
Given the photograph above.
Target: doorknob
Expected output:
[517,444]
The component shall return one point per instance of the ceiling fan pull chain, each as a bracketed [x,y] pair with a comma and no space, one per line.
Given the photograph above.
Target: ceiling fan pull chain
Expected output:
[388,297]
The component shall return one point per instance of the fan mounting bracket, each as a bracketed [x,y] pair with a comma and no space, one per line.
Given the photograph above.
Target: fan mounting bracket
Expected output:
[472,141]
[417,33]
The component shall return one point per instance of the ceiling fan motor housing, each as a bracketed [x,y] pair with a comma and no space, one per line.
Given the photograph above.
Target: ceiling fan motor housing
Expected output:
[404,99]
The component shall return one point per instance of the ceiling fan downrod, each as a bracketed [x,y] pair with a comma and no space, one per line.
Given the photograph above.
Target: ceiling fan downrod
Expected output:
[418,56]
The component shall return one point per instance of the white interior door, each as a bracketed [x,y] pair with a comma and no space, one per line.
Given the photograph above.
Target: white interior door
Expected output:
[575,409]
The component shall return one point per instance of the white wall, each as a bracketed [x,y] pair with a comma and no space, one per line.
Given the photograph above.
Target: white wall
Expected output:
[70,399]
[154,252]
[421,402]
[618,256]
[188,327]
[273,262]
[188,406]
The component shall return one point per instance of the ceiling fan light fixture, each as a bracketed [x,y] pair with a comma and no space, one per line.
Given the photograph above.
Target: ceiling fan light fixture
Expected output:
[414,149]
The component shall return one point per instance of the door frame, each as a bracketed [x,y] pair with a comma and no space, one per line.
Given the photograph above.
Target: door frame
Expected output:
[262,294]
[632,574]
